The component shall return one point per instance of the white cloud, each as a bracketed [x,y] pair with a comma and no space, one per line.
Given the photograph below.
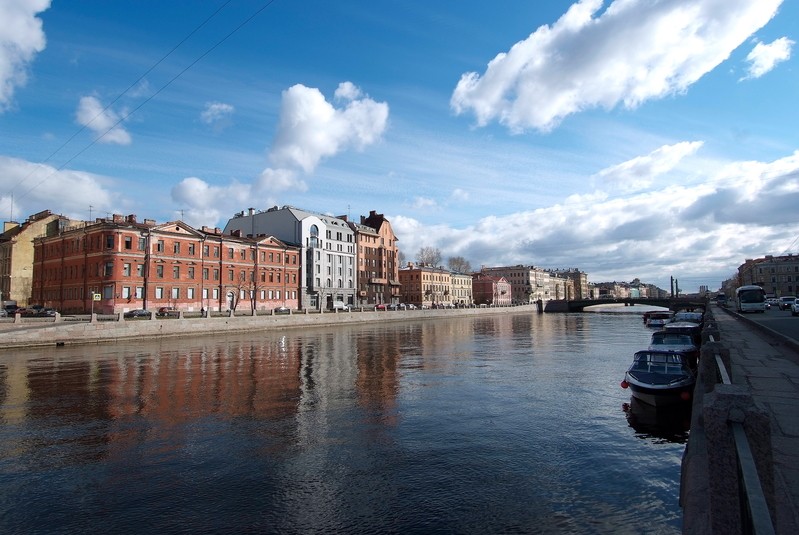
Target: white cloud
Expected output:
[640,172]
[422,203]
[21,38]
[204,204]
[215,112]
[700,232]
[38,187]
[630,53]
[311,129]
[459,195]
[764,57]
[106,123]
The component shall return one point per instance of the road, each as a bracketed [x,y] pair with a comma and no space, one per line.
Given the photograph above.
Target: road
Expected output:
[777,320]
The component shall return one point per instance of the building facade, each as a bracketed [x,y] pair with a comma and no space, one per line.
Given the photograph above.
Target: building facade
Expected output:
[577,285]
[426,286]
[326,245]
[491,290]
[529,284]
[16,255]
[118,264]
[777,275]
[377,260]
[462,294]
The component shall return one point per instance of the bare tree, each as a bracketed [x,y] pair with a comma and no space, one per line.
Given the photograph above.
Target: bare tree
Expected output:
[429,255]
[459,264]
[400,259]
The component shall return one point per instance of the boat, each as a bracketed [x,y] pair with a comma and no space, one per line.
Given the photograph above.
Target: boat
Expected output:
[686,327]
[658,318]
[660,378]
[676,340]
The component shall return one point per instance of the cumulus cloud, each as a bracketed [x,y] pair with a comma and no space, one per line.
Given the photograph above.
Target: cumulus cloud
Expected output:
[37,185]
[765,57]
[640,172]
[105,122]
[691,232]
[205,204]
[215,112]
[309,129]
[21,38]
[628,54]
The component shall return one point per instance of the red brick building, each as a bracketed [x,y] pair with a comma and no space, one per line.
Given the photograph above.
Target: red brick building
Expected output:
[490,290]
[119,264]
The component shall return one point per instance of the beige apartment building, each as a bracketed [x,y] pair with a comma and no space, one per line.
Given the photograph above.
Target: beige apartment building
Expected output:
[16,254]
[462,294]
[424,285]
[777,275]
[529,284]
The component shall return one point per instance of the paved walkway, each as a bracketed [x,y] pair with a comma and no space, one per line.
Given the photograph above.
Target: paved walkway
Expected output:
[769,366]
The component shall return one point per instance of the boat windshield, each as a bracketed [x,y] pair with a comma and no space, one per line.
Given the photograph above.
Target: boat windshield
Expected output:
[672,339]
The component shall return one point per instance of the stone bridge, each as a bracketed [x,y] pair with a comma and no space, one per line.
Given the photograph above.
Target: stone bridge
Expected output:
[672,303]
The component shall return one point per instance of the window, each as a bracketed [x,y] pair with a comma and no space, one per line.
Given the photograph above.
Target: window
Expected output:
[190,293]
[126,269]
[142,244]
[176,272]
[191,272]
[140,270]
[159,292]
[176,247]
[206,250]
[139,292]
[205,293]
[216,274]
[128,242]
[159,246]
[126,292]
[230,252]
[205,274]
[216,293]
[216,252]
[109,269]
[159,271]
[230,275]
[191,249]
[175,293]
[109,241]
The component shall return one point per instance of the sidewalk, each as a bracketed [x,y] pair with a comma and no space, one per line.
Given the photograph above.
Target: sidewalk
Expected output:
[770,369]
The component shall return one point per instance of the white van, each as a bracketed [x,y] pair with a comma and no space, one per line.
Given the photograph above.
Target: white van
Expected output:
[339,305]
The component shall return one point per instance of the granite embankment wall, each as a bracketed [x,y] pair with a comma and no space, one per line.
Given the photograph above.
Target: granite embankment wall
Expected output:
[40,332]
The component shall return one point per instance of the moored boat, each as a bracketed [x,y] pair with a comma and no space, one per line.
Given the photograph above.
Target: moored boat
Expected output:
[660,378]
[658,318]
[676,340]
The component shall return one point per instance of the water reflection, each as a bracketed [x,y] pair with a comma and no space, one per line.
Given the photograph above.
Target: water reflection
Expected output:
[671,423]
[471,425]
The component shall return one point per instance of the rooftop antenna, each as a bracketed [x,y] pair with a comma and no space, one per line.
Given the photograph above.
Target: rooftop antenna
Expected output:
[90,213]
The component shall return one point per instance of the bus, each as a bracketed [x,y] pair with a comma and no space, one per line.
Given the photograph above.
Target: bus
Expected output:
[750,299]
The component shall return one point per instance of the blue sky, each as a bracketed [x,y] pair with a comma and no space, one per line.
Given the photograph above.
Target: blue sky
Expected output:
[631,138]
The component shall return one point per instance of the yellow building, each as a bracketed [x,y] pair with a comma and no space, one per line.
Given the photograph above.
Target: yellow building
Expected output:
[16,254]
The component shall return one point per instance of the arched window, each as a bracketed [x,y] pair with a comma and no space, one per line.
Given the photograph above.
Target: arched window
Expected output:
[314,241]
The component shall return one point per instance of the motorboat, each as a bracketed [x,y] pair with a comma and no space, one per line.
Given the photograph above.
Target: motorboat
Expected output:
[660,378]
[676,340]
[686,327]
[658,318]
[688,316]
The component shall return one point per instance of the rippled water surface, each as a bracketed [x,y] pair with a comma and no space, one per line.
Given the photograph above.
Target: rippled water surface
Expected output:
[509,424]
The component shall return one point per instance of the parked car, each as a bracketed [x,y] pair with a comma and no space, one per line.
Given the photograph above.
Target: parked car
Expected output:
[381,306]
[338,305]
[282,310]
[786,301]
[795,307]
[163,312]
[3,313]
[137,313]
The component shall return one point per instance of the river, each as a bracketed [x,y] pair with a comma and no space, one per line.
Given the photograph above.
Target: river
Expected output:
[496,424]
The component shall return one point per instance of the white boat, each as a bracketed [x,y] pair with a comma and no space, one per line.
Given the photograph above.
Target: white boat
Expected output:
[658,318]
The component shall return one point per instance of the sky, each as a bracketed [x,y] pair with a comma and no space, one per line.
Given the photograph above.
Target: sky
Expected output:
[650,139]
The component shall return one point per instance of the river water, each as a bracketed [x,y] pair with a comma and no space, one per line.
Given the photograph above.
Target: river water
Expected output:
[493,424]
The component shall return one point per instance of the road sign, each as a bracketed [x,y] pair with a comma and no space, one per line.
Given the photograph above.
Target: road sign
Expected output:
[96,297]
